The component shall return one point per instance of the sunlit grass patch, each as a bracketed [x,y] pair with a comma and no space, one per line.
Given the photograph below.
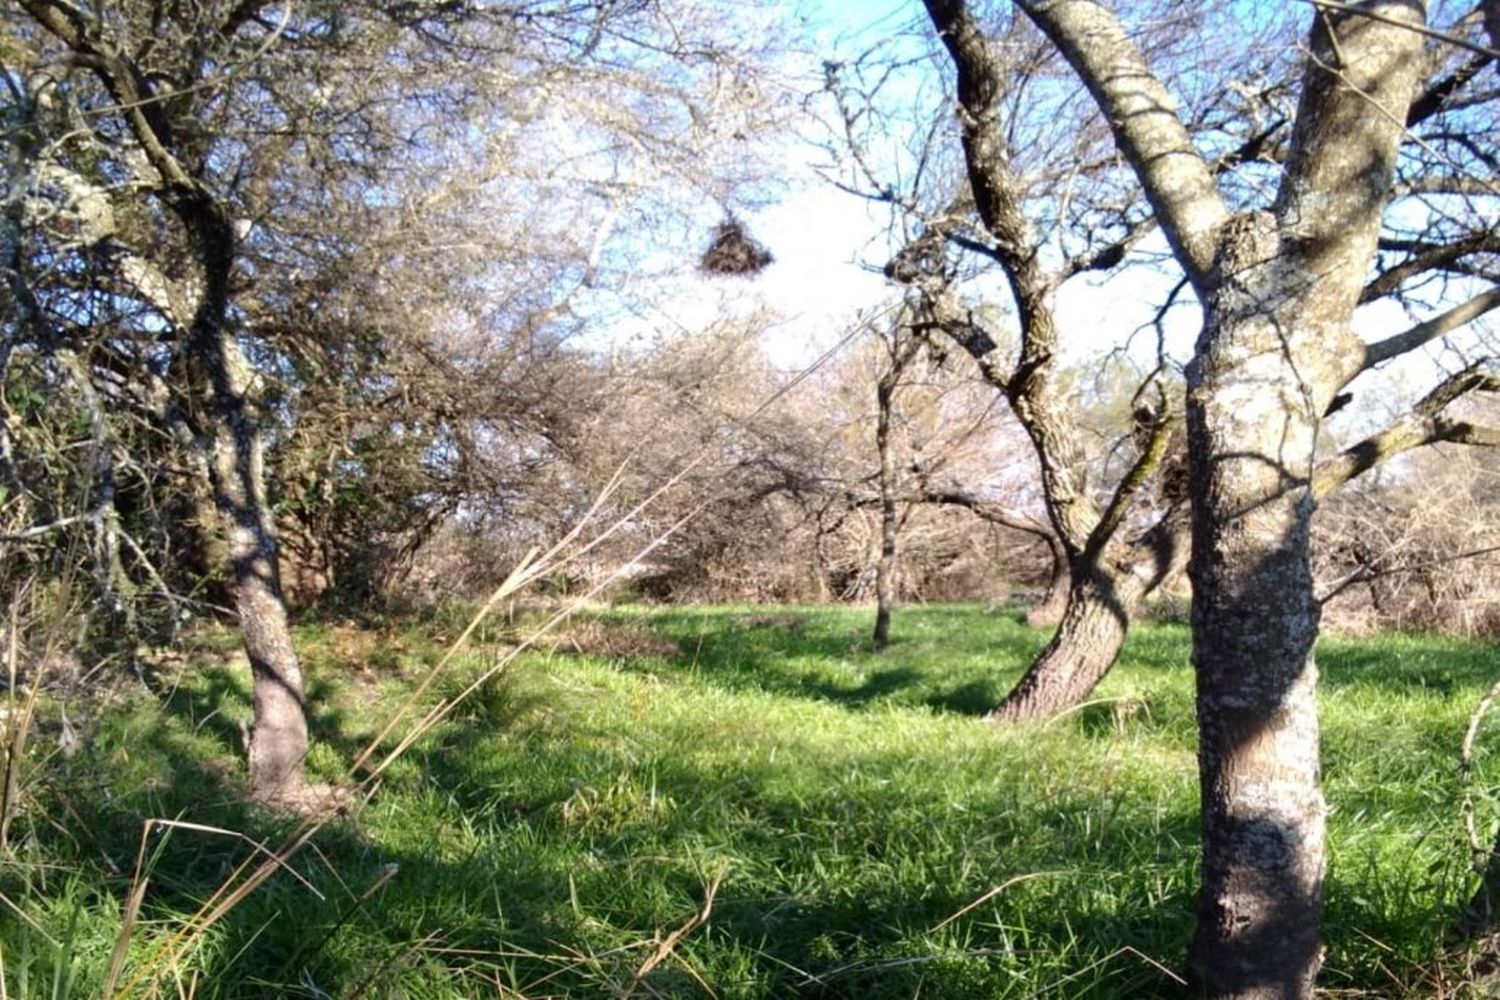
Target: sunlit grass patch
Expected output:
[813,818]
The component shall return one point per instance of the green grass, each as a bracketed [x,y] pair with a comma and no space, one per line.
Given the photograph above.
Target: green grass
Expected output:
[865,835]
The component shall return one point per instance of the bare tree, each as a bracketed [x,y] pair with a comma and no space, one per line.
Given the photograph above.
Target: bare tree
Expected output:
[1046,203]
[211,175]
[1117,543]
[1278,285]
[900,349]
[199,304]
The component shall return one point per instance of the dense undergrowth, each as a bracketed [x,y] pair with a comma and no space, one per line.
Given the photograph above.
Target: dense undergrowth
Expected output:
[726,802]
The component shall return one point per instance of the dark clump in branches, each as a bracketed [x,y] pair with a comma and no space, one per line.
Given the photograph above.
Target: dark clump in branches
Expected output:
[734,251]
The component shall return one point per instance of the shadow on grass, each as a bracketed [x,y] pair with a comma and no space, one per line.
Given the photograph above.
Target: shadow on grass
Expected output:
[543,864]
[843,890]
[957,660]
[1441,665]
[552,857]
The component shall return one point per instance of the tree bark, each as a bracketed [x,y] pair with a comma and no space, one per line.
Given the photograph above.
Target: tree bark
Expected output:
[279,740]
[885,569]
[1054,603]
[1085,646]
[1106,592]
[1251,441]
[1275,349]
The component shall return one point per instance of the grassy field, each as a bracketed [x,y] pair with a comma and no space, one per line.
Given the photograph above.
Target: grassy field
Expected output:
[724,802]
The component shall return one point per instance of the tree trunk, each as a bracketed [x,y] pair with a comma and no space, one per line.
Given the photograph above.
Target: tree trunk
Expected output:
[1276,348]
[1085,646]
[1254,624]
[1105,593]
[885,569]
[278,742]
[1054,603]
[1251,439]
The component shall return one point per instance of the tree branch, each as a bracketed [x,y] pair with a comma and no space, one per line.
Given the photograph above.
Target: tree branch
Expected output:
[1423,425]
[38,530]
[1368,573]
[1140,472]
[985,510]
[1430,330]
[1360,10]
[1142,115]
[1360,81]
[999,196]
[123,82]
[1425,257]
[1436,96]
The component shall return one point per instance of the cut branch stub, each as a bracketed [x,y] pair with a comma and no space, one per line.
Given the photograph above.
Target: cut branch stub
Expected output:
[733,251]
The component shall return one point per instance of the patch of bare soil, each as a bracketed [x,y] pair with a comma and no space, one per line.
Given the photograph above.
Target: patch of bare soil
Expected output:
[320,801]
[602,639]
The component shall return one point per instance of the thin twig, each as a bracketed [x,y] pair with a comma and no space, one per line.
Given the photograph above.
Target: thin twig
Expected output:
[1466,770]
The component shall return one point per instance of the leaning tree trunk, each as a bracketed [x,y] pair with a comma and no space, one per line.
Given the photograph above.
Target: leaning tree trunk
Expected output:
[236,464]
[278,743]
[1251,442]
[1105,593]
[1082,650]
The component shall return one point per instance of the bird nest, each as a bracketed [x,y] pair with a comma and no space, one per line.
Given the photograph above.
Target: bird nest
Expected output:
[734,251]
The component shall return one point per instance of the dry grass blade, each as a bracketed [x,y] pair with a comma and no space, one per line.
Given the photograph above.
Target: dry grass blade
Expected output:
[258,846]
[1125,950]
[509,585]
[986,897]
[28,921]
[240,884]
[229,894]
[276,861]
[18,724]
[122,940]
[1466,767]
[668,945]
[529,569]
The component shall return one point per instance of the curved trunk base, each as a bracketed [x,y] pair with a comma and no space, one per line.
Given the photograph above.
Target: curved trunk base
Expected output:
[1081,653]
